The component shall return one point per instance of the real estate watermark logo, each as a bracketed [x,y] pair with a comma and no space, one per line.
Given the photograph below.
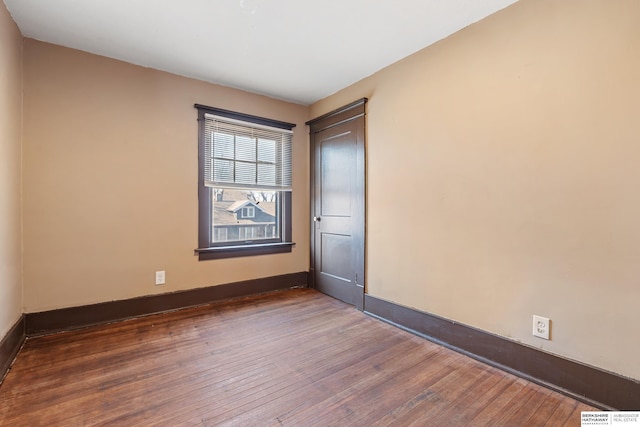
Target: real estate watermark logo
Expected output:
[628,419]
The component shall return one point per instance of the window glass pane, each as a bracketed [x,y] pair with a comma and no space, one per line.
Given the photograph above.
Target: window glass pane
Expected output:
[267,174]
[223,145]
[244,215]
[223,170]
[245,173]
[266,150]
[245,149]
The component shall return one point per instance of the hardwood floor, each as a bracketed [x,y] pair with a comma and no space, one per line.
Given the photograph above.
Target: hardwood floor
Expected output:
[294,358]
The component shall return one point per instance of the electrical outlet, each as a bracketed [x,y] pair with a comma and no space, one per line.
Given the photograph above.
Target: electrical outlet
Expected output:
[541,327]
[160,277]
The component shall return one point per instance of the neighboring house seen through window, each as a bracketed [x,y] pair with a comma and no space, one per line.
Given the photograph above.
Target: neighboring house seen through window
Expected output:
[248,212]
[244,184]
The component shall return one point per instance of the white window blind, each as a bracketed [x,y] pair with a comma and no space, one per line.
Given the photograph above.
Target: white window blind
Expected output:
[240,154]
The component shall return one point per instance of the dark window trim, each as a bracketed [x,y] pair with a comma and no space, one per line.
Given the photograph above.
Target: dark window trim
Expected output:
[221,252]
[244,117]
[205,251]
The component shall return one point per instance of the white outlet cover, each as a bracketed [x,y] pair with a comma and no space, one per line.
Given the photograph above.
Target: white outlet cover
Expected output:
[541,327]
[160,277]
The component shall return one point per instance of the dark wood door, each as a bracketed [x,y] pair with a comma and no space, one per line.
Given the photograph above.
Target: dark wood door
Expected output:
[338,204]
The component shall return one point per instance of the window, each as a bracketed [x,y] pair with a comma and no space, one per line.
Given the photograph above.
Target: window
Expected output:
[220,234]
[244,185]
[248,232]
[249,212]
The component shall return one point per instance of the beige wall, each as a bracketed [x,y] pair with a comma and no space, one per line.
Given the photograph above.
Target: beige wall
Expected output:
[503,177]
[10,163]
[110,180]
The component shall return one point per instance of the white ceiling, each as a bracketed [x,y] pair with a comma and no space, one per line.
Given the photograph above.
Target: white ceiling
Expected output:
[295,50]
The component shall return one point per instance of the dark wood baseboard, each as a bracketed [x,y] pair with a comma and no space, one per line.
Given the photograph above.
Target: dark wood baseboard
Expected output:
[586,383]
[10,345]
[78,317]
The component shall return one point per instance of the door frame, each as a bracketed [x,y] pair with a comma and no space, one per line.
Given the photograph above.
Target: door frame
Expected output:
[353,111]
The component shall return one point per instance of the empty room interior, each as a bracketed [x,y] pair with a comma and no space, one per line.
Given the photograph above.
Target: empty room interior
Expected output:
[329,213]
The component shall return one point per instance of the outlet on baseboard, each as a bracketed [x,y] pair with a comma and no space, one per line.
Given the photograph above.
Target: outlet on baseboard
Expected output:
[541,327]
[160,277]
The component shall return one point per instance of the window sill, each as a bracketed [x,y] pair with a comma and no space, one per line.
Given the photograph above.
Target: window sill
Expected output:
[220,252]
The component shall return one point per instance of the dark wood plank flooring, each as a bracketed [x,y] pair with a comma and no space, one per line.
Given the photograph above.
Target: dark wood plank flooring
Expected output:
[294,358]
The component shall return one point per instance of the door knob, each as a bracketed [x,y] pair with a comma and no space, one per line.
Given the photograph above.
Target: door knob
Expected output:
[316,219]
